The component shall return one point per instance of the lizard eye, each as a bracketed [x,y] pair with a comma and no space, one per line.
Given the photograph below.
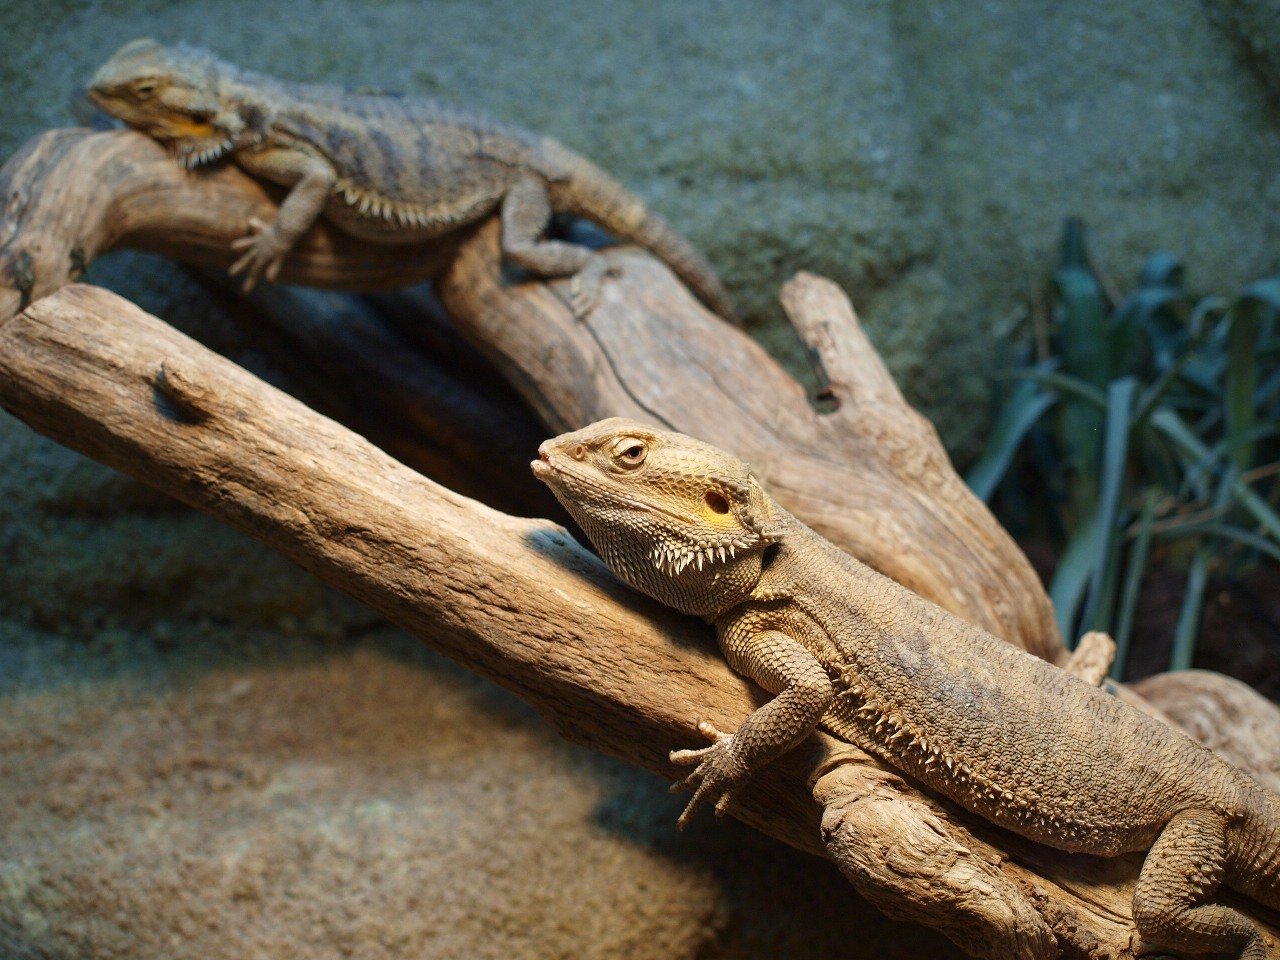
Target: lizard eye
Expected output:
[144,89]
[630,451]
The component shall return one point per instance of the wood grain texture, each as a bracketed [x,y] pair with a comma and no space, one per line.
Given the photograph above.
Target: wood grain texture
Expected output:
[520,602]
[517,600]
[872,476]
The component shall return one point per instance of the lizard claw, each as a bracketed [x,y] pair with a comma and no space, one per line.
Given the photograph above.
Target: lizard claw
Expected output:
[264,251]
[584,287]
[716,772]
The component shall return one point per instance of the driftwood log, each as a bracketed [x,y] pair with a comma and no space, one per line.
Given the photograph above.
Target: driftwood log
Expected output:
[517,600]
[649,350]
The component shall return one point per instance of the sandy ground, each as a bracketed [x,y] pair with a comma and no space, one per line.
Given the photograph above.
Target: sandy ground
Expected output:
[204,754]
[362,799]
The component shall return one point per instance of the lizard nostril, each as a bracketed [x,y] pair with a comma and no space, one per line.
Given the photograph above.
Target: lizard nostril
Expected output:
[578,452]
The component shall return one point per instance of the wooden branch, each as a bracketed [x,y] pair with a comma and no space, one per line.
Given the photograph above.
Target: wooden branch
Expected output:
[443,411]
[520,602]
[1092,657]
[70,195]
[872,476]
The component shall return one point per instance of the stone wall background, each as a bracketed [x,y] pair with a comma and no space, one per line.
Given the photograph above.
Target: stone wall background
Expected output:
[204,754]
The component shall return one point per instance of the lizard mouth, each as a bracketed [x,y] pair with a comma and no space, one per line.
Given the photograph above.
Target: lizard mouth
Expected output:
[559,476]
[542,468]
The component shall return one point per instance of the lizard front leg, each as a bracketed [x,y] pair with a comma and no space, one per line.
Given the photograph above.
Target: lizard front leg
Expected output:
[267,244]
[804,691]
[526,210]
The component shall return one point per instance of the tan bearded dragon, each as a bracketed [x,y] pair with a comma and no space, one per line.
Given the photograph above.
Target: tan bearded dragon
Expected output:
[1010,737]
[384,168]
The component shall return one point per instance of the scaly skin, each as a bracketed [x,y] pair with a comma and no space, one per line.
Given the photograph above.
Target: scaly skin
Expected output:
[1014,739]
[384,168]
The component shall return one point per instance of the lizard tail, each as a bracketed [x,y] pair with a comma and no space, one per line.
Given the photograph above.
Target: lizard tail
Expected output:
[1253,848]
[590,193]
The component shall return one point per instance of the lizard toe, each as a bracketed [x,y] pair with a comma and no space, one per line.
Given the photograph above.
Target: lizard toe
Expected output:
[711,732]
[585,287]
[697,755]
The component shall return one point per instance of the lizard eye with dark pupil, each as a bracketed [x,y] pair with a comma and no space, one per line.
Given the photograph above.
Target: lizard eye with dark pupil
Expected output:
[717,503]
[630,453]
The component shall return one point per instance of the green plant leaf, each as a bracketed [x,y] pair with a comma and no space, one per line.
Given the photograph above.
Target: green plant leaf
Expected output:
[1151,310]
[1205,315]
[1082,324]
[1071,577]
[1254,310]
[1026,405]
[1216,528]
[1065,384]
[1260,510]
[1135,569]
[1120,394]
[1172,426]
[1184,637]
[1161,270]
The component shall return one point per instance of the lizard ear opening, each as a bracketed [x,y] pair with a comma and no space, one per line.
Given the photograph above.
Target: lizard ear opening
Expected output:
[716,502]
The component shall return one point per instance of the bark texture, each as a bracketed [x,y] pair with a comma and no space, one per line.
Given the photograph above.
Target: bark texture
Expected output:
[648,350]
[518,600]
[522,603]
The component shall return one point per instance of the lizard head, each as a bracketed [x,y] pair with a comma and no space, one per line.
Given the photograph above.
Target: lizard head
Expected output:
[676,518]
[175,94]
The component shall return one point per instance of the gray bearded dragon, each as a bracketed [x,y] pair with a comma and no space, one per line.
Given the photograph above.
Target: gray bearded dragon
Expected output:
[384,168]
[1012,738]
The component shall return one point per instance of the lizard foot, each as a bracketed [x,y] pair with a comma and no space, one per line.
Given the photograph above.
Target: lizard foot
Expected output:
[585,286]
[717,772]
[264,251]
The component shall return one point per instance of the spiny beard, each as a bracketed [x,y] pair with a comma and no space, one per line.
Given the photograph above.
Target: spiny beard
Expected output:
[672,557]
[199,153]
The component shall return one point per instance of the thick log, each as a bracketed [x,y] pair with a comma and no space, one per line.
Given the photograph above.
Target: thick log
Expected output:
[520,602]
[872,476]
[444,412]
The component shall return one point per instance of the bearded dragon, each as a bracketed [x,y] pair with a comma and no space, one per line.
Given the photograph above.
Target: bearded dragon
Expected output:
[383,168]
[1010,737]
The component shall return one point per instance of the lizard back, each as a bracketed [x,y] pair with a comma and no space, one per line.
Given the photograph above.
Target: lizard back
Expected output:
[406,158]
[1000,731]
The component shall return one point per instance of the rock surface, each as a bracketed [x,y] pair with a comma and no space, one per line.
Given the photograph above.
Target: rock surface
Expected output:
[203,753]
[1255,24]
